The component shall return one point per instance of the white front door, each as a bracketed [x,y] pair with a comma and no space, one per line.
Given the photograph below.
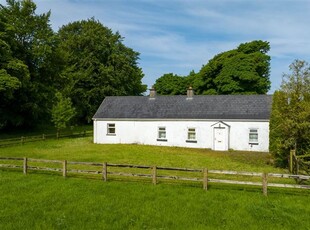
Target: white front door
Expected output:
[220,138]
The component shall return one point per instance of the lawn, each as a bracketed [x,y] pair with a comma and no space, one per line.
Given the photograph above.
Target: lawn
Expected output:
[82,149]
[45,201]
[42,129]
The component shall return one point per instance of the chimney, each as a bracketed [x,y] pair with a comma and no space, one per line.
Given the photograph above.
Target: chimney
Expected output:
[152,93]
[190,93]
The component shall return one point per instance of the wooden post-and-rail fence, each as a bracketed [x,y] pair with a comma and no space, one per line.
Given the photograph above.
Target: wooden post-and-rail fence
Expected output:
[205,173]
[299,163]
[27,139]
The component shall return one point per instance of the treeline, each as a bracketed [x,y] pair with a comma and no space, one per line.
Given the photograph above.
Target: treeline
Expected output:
[290,116]
[244,70]
[63,75]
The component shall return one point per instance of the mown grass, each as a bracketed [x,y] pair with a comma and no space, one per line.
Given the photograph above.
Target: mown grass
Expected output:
[51,202]
[42,129]
[48,201]
[82,149]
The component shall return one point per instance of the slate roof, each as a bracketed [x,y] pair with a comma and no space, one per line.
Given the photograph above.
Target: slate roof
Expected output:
[180,107]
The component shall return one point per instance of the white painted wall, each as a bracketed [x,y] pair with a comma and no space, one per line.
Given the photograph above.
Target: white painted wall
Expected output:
[146,132]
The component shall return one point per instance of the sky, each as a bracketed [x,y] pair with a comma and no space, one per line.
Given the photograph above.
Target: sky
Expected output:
[177,36]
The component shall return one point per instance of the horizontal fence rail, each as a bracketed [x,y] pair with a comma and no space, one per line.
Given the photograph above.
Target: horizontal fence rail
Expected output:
[27,139]
[299,163]
[153,172]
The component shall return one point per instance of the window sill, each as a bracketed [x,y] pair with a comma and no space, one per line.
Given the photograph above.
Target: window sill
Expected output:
[253,143]
[111,134]
[158,139]
[191,141]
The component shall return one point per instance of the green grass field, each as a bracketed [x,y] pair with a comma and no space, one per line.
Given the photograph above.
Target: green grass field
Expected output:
[48,201]
[42,129]
[82,149]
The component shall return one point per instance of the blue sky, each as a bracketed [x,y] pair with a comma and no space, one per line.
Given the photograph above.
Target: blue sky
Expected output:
[177,36]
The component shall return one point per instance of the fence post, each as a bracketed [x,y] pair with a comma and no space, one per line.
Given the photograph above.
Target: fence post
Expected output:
[57,135]
[265,183]
[205,179]
[25,165]
[64,168]
[22,140]
[43,137]
[84,133]
[154,175]
[104,171]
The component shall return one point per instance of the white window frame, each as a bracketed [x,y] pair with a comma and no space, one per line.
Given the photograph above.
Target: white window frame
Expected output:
[253,131]
[190,131]
[110,127]
[161,133]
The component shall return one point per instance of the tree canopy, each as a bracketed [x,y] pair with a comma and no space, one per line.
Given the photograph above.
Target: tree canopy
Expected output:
[171,84]
[97,65]
[290,116]
[244,70]
[84,61]
[29,64]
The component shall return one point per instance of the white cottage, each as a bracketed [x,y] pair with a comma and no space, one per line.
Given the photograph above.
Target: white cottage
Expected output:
[218,122]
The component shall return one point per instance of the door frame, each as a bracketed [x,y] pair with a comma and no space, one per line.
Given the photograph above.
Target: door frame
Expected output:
[226,128]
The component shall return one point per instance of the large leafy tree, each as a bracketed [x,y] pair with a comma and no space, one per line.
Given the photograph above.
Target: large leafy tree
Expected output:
[9,81]
[244,70]
[171,84]
[98,64]
[29,64]
[290,117]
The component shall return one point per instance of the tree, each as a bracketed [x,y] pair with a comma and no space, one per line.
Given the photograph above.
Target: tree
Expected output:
[97,65]
[171,84]
[9,82]
[29,64]
[244,70]
[62,112]
[290,116]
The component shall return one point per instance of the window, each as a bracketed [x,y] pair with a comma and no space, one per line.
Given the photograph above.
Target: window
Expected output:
[111,129]
[162,134]
[253,136]
[191,135]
